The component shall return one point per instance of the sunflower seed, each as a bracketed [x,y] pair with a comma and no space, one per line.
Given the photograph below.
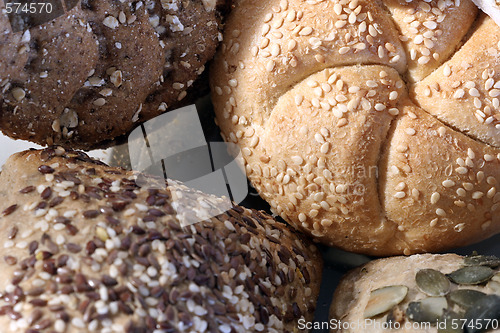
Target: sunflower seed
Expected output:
[428,310]
[447,323]
[471,275]
[484,310]
[466,297]
[383,299]
[432,282]
[491,261]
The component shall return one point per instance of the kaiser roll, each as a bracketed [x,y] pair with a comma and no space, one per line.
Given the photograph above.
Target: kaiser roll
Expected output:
[373,126]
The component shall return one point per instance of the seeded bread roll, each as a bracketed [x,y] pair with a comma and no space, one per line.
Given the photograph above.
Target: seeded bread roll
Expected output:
[93,73]
[372,298]
[323,99]
[85,249]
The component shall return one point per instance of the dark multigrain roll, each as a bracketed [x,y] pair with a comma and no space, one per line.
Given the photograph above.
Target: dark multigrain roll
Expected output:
[92,74]
[85,249]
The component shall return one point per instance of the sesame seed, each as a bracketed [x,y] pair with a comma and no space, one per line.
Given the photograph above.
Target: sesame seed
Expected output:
[18,94]
[177,85]
[302,217]
[326,223]
[410,131]
[393,112]
[486,225]
[270,65]
[489,84]
[399,195]
[494,93]
[344,50]
[459,93]
[477,195]
[447,70]
[110,22]
[337,8]
[306,31]
[340,24]
[474,92]
[430,25]
[435,198]
[319,138]
[491,180]
[440,212]
[468,186]
[423,60]
[254,142]
[325,148]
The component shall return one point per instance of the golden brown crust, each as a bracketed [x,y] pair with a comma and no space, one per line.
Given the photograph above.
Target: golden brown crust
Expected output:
[440,186]
[94,73]
[320,133]
[323,174]
[465,92]
[430,31]
[84,247]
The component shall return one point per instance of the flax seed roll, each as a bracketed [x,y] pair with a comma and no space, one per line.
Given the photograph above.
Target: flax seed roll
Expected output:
[85,249]
[360,122]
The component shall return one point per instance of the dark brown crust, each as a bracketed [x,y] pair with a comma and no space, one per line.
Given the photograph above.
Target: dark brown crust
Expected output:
[158,62]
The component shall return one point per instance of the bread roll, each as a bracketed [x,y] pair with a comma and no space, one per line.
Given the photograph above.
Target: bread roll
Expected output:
[394,294]
[323,98]
[99,69]
[85,249]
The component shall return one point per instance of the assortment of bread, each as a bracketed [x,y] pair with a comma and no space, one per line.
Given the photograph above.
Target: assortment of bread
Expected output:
[371,126]
[360,122]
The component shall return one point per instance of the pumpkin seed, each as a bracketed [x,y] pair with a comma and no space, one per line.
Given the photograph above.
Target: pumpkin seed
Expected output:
[448,323]
[383,299]
[471,275]
[491,261]
[484,310]
[432,282]
[466,297]
[496,277]
[427,310]
[494,286]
